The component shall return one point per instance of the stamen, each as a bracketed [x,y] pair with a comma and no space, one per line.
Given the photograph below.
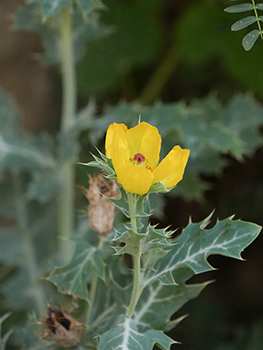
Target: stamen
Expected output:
[138,157]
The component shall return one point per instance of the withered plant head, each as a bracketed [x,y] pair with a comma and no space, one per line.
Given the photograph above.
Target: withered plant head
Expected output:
[63,328]
[100,210]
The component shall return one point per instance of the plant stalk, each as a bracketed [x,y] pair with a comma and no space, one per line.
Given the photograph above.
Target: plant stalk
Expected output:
[30,254]
[257,18]
[137,289]
[69,106]
[93,289]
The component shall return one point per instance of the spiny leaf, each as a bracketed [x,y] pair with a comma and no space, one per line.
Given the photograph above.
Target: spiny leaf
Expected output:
[102,163]
[73,278]
[154,245]
[131,239]
[250,39]
[159,302]
[125,336]
[196,243]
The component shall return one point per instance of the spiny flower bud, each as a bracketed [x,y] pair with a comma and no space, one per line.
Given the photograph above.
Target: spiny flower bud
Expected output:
[100,210]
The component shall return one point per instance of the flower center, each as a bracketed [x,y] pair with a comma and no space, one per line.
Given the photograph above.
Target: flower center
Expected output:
[139,158]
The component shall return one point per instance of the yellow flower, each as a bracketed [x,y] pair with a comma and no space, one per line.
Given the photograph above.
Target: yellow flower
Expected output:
[135,157]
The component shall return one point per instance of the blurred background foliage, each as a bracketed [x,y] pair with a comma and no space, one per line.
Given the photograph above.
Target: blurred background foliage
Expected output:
[178,65]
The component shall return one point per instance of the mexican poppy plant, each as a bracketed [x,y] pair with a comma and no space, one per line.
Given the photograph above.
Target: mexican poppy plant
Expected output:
[135,157]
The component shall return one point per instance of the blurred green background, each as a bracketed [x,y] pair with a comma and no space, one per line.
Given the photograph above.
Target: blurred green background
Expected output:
[169,51]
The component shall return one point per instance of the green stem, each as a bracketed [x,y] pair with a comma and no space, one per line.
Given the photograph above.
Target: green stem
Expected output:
[66,199]
[30,254]
[160,77]
[132,211]
[257,18]
[93,289]
[137,289]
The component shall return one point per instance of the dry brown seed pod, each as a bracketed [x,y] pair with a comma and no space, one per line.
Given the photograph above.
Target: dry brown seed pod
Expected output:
[100,210]
[63,328]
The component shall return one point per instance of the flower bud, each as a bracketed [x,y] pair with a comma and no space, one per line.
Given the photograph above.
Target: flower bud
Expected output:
[100,210]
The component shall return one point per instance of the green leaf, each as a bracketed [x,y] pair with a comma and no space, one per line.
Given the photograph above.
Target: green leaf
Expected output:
[250,39]
[18,151]
[196,243]
[154,245]
[102,163]
[49,8]
[234,117]
[29,17]
[106,309]
[158,188]
[122,202]
[68,141]
[3,339]
[73,278]
[34,230]
[87,6]
[141,213]
[17,291]
[23,153]
[159,302]
[130,238]
[125,336]
[9,115]
[12,247]
[239,8]
[121,282]
[243,23]
[44,185]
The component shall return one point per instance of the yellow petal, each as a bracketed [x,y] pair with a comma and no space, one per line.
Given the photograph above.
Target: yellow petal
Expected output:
[111,132]
[145,139]
[120,147]
[171,169]
[134,179]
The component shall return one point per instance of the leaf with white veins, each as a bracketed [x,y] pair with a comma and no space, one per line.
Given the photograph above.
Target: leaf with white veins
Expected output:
[196,243]
[125,336]
[73,278]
